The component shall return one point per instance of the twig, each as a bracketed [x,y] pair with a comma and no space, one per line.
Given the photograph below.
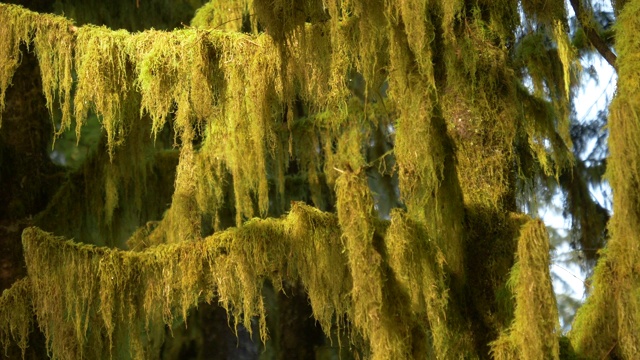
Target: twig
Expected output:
[610,350]
[593,36]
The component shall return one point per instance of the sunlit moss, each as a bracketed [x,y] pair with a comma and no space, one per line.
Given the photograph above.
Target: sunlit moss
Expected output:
[355,210]
[322,264]
[17,29]
[534,331]
[122,293]
[243,108]
[418,265]
[609,322]
[54,46]
[221,15]
[105,81]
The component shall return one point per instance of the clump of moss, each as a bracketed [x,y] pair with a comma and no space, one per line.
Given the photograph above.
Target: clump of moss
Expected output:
[418,265]
[221,15]
[534,333]
[122,293]
[321,263]
[53,40]
[105,81]
[16,315]
[54,46]
[355,209]
[17,29]
[609,322]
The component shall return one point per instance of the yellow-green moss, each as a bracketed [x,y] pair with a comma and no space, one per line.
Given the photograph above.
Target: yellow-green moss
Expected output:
[418,265]
[609,322]
[17,29]
[457,111]
[355,209]
[534,333]
[105,81]
[221,15]
[122,293]
[16,315]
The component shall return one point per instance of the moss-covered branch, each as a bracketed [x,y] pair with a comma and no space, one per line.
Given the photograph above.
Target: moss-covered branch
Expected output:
[245,108]
[609,322]
[90,301]
[16,315]
[587,23]
[534,332]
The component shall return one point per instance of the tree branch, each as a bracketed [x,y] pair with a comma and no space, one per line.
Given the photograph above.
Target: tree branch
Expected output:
[593,36]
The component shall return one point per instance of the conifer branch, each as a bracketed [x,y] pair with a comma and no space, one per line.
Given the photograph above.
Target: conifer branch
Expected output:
[592,34]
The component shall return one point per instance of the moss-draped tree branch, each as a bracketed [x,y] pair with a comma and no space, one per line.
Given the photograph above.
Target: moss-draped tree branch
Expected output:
[457,110]
[586,21]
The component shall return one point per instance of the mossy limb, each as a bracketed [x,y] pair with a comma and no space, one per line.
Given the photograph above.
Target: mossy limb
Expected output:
[534,332]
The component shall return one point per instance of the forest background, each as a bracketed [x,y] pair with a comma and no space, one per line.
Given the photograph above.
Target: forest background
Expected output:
[314,179]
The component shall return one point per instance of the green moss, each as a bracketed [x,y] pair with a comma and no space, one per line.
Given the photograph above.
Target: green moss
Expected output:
[355,209]
[594,330]
[221,15]
[244,107]
[125,294]
[105,82]
[419,267]
[18,29]
[612,311]
[16,315]
[321,263]
[534,332]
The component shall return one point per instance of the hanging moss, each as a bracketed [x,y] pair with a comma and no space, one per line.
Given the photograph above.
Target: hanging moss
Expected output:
[122,293]
[419,266]
[244,108]
[53,40]
[595,328]
[212,187]
[105,81]
[534,333]
[16,316]
[322,263]
[253,96]
[355,210]
[491,250]
[118,293]
[612,311]
[170,70]
[551,80]
[17,29]
[428,183]
[221,15]
[320,64]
